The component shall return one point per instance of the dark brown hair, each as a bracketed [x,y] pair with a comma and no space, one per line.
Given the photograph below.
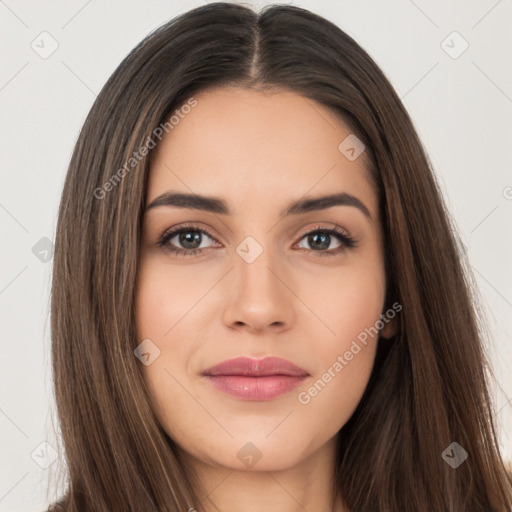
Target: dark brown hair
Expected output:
[429,386]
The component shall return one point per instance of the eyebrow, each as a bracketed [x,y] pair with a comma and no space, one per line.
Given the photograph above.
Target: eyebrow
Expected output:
[217,205]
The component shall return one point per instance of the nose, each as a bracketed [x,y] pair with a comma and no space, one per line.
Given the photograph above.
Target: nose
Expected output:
[259,295]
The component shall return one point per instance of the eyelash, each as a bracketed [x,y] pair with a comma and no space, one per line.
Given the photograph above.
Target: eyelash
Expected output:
[346,240]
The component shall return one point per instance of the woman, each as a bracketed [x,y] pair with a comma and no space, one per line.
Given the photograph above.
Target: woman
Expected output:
[206,355]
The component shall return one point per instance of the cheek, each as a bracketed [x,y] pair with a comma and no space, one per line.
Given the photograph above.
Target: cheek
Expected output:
[346,301]
[349,305]
[167,301]
[171,311]
[161,306]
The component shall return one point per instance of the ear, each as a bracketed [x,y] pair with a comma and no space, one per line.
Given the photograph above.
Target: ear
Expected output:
[391,317]
[390,328]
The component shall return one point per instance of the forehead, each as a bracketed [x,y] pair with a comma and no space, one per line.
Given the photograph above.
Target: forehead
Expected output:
[255,146]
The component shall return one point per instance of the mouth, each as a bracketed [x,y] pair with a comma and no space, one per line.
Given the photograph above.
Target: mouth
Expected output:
[256,379]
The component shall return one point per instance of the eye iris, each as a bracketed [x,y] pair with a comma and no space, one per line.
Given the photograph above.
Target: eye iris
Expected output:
[185,239]
[319,240]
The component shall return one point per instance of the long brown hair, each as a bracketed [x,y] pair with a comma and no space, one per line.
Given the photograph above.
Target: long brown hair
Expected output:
[429,386]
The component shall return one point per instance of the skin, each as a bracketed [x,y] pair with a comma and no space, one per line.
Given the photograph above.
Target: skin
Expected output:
[259,152]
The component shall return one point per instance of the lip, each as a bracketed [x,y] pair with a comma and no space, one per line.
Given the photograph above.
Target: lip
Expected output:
[255,379]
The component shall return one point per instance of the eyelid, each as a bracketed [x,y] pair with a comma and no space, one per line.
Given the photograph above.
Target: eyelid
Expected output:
[346,239]
[325,227]
[169,233]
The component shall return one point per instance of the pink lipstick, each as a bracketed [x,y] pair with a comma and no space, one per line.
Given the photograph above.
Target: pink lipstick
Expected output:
[256,379]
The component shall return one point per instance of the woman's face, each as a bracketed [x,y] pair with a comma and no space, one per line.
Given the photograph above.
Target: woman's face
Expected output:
[264,284]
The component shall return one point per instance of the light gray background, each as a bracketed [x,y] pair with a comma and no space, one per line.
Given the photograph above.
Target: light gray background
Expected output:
[461,108]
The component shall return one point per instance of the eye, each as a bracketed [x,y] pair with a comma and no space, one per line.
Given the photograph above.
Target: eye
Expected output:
[189,236]
[187,240]
[321,237]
